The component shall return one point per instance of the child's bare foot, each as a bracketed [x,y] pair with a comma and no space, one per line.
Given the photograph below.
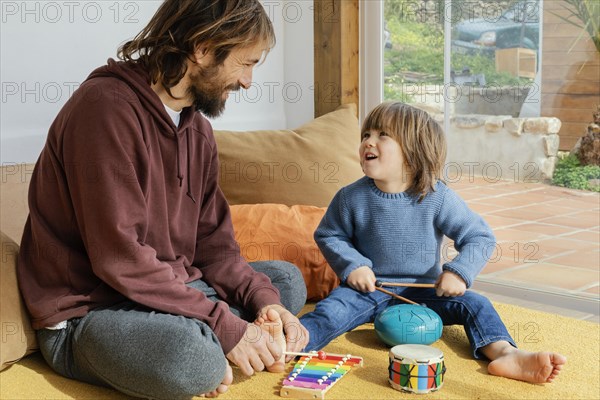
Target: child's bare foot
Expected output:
[271,323]
[542,367]
[227,380]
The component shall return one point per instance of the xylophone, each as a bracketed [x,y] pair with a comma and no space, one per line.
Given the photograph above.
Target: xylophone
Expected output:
[315,373]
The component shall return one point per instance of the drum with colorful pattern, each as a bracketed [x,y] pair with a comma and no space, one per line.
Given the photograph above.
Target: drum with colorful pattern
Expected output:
[416,368]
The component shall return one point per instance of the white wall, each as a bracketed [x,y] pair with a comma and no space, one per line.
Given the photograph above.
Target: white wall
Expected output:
[49,47]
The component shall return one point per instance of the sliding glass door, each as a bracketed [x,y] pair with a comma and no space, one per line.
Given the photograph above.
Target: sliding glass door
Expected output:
[492,66]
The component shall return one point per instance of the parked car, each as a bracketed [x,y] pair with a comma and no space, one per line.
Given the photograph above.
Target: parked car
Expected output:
[516,27]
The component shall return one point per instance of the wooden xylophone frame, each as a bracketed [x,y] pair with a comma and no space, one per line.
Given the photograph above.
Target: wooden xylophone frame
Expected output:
[296,387]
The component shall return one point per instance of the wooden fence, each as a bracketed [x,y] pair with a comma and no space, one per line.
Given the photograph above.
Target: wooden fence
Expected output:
[570,74]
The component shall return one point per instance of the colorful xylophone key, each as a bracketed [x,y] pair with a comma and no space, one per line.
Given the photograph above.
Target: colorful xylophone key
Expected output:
[315,373]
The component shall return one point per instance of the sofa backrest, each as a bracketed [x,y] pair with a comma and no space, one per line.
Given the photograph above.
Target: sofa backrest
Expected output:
[14,185]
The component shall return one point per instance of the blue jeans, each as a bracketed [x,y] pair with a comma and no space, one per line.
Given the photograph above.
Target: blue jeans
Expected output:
[345,309]
[149,354]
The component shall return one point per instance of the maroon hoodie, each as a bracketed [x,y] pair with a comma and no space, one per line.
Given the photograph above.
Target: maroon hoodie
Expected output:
[125,205]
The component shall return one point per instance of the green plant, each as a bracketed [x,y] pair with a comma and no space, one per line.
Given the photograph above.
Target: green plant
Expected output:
[482,64]
[418,47]
[571,174]
[586,12]
[395,92]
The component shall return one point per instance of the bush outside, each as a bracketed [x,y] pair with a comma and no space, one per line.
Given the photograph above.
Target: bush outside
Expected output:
[571,174]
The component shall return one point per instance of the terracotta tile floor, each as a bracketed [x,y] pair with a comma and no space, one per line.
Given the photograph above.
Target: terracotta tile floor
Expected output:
[548,240]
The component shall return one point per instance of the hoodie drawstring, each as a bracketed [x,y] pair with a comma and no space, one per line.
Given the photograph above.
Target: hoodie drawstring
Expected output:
[189,167]
[179,175]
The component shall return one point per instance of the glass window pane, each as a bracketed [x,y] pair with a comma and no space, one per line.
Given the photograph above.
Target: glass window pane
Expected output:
[495,53]
[511,61]
[413,52]
[494,60]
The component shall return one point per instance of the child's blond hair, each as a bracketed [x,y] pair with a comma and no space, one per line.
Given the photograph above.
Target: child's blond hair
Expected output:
[420,137]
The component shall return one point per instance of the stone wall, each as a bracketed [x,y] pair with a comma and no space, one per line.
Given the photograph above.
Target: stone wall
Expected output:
[488,140]
[502,147]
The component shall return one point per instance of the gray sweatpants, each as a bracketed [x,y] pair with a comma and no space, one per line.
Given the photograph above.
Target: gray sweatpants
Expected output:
[149,354]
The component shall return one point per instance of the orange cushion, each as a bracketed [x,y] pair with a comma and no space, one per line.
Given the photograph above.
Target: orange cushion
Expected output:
[280,232]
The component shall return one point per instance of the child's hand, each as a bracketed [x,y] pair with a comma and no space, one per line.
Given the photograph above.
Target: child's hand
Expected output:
[362,279]
[450,285]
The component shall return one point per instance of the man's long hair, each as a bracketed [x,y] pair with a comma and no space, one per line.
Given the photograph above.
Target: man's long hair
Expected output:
[179,27]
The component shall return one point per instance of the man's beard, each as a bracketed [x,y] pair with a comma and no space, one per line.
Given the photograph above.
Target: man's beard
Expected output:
[207,91]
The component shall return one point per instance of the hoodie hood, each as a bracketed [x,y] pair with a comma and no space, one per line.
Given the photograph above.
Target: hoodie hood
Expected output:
[138,79]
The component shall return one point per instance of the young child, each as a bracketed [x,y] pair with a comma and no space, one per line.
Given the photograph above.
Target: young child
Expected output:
[389,225]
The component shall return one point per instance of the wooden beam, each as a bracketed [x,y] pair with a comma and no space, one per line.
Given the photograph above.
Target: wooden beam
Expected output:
[336,54]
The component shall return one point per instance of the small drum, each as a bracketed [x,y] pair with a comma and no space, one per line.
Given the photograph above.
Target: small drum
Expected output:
[408,324]
[416,368]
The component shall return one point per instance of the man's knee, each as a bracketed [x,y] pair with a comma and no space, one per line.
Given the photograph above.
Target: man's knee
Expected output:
[202,372]
[149,354]
[287,278]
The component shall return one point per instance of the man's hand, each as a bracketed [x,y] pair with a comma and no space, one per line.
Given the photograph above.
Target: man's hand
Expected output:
[296,335]
[362,279]
[450,285]
[255,351]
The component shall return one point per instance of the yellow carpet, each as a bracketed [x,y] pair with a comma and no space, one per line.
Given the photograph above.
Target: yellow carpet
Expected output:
[465,378]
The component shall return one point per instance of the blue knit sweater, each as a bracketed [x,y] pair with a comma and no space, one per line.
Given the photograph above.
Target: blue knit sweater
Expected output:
[399,238]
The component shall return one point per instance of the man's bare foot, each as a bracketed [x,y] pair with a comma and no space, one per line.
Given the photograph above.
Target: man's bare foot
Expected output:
[542,367]
[227,380]
[271,323]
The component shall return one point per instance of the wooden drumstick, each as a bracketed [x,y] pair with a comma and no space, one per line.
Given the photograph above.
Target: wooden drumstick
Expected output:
[418,285]
[321,355]
[395,295]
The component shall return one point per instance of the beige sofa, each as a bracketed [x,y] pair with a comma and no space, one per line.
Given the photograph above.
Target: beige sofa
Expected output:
[278,184]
